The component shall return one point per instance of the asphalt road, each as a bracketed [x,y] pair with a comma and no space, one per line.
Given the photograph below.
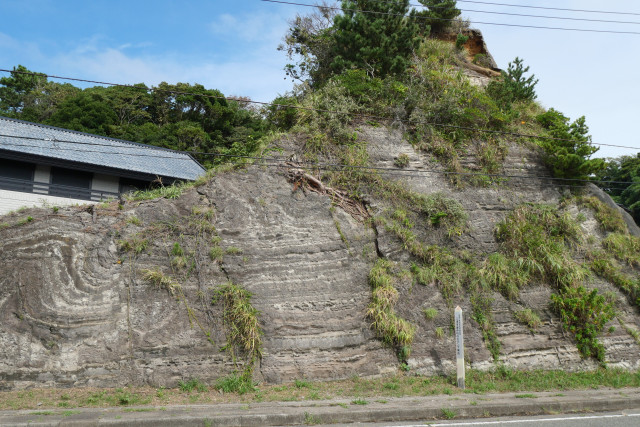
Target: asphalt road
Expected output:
[612,419]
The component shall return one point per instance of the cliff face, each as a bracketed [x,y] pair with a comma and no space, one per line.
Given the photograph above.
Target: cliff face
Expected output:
[76,309]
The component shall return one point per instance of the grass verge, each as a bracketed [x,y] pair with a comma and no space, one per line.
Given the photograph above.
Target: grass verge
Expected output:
[355,389]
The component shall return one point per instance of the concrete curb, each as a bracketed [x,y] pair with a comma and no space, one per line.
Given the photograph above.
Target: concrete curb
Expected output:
[335,411]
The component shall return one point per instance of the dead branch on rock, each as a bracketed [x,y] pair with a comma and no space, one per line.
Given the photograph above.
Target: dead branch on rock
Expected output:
[302,179]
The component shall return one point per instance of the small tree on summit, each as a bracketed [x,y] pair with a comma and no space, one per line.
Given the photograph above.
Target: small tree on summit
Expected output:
[513,86]
[438,16]
[379,41]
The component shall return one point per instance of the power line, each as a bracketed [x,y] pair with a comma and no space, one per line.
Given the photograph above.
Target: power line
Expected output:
[565,18]
[549,8]
[321,110]
[284,162]
[516,14]
[451,20]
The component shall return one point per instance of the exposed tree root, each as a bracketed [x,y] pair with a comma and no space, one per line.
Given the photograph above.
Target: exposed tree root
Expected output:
[302,179]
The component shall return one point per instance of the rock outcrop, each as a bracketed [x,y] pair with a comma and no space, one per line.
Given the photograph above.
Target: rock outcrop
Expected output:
[76,310]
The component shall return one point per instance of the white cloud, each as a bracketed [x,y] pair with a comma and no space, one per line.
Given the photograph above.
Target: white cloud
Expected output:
[258,75]
[263,28]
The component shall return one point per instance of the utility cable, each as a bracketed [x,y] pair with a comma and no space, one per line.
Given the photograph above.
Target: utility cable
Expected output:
[514,14]
[300,107]
[331,166]
[549,8]
[452,20]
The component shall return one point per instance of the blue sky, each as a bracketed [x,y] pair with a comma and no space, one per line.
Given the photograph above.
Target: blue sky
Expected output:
[230,45]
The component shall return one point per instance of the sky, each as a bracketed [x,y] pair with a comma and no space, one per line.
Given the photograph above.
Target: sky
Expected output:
[231,45]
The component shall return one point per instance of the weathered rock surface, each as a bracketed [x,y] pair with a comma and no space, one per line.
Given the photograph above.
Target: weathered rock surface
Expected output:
[75,310]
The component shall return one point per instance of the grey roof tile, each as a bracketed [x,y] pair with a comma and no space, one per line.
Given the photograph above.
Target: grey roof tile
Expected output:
[95,150]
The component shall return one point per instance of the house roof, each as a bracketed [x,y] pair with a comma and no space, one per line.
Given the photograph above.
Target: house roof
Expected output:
[71,146]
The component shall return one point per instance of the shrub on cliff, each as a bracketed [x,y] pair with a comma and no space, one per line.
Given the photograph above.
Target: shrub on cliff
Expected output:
[513,86]
[568,148]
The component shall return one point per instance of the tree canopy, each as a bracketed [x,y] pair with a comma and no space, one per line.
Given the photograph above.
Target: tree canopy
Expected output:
[568,150]
[379,42]
[178,116]
[438,16]
[623,169]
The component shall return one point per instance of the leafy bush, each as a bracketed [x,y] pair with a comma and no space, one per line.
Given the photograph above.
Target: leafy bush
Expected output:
[461,40]
[584,313]
[402,161]
[623,169]
[281,113]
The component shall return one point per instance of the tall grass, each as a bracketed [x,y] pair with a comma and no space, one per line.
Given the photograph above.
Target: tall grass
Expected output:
[241,318]
[392,329]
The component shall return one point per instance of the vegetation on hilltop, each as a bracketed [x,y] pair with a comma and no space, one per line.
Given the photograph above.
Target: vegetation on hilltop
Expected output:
[178,116]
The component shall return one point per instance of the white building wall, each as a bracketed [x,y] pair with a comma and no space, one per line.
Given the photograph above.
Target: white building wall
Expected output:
[105,183]
[41,174]
[13,200]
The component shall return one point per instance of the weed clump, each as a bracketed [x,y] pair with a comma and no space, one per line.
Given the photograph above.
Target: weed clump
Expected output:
[161,281]
[393,330]
[241,318]
[236,382]
[623,247]
[609,218]
[529,318]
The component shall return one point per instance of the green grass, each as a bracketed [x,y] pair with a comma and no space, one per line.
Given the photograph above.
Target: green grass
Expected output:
[302,384]
[238,388]
[610,219]
[191,385]
[526,396]
[449,413]
[391,328]
[359,401]
[241,318]
[240,383]
[624,247]
[430,313]
[529,318]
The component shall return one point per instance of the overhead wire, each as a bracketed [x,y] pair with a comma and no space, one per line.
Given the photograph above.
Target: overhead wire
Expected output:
[492,12]
[549,8]
[321,110]
[589,30]
[323,166]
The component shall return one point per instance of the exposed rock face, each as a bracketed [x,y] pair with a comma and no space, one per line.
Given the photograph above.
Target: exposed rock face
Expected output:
[75,310]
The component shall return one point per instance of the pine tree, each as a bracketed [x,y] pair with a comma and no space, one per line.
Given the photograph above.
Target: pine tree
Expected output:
[568,153]
[437,18]
[380,42]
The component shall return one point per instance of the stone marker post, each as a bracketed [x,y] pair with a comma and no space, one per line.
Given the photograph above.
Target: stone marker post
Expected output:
[459,347]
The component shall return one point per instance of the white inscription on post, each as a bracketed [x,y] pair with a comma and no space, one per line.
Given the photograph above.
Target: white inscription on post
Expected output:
[459,347]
